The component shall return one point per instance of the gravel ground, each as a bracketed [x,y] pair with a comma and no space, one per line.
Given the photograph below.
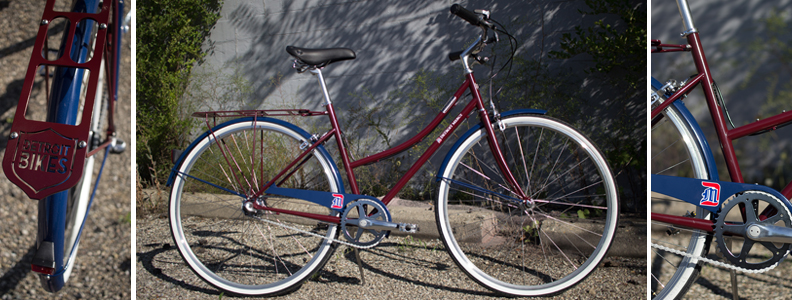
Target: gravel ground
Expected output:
[102,270]
[715,282]
[399,268]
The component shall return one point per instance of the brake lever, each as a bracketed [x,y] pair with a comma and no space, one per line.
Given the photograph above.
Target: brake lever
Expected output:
[483,12]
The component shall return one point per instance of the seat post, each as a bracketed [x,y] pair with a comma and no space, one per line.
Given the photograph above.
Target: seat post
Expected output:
[318,74]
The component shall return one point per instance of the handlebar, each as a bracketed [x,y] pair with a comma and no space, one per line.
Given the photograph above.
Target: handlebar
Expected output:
[465,14]
[478,19]
[455,55]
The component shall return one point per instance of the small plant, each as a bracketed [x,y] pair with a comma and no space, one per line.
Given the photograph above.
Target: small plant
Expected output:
[410,243]
[583,213]
[125,219]
[316,276]
[530,233]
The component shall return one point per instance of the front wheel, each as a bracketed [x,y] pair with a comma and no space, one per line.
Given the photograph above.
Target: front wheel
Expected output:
[528,248]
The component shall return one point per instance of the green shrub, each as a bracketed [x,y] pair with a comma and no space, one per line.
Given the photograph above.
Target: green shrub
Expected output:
[170,35]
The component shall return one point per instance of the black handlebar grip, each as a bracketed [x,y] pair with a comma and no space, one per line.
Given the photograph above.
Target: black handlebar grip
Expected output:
[465,14]
[454,55]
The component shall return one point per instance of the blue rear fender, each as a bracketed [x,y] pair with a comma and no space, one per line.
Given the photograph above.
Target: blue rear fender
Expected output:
[288,125]
[698,135]
[479,126]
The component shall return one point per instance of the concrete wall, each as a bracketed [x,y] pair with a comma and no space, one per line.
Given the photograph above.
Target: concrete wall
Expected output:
[730,33]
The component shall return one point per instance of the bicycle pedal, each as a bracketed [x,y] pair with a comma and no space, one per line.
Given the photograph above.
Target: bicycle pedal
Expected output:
[117,146]
[410,228]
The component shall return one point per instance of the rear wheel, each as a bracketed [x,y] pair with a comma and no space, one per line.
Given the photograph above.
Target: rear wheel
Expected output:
[226,241]
[528,248]
[675,152]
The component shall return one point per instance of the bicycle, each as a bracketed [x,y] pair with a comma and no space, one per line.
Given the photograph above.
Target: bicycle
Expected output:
[527,205]
[52,159]
[691,206]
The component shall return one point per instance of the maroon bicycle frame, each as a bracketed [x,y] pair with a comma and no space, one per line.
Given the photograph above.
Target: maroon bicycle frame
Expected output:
[476,103]
[725,136]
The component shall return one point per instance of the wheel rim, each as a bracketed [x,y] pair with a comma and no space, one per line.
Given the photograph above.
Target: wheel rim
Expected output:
[539,250]
[234,251]
[675,153]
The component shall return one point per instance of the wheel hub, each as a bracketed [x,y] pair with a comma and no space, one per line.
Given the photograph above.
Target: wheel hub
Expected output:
[249,208]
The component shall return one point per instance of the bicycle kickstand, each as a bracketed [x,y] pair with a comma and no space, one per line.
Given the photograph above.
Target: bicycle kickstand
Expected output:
[360,266]
[733,274]
[735,295]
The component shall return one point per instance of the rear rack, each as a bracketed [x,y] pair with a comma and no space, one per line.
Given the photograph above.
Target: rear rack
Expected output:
[213,115]
[257,113]
[43,158]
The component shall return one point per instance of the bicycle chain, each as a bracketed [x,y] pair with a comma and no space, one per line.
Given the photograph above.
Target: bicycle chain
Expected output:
[316,235]
[712,261]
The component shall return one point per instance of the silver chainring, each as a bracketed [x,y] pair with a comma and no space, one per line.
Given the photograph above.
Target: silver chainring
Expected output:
[749,256]
[364,210]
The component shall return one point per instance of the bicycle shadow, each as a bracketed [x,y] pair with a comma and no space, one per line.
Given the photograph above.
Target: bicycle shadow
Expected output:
[11,279]
[148,258]
[418,262]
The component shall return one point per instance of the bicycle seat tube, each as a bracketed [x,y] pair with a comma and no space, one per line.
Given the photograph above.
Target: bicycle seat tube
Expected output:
[687,18]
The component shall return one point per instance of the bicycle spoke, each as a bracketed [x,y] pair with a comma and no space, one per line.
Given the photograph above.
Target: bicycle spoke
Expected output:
[559,250]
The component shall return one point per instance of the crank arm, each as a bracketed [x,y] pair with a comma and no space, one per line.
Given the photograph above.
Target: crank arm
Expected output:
[382,225]
[765,233]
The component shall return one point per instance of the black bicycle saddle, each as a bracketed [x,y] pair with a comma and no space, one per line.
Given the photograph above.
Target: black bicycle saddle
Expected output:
[316,57]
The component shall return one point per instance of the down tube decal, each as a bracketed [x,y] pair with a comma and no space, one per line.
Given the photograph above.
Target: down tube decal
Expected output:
[711,195]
